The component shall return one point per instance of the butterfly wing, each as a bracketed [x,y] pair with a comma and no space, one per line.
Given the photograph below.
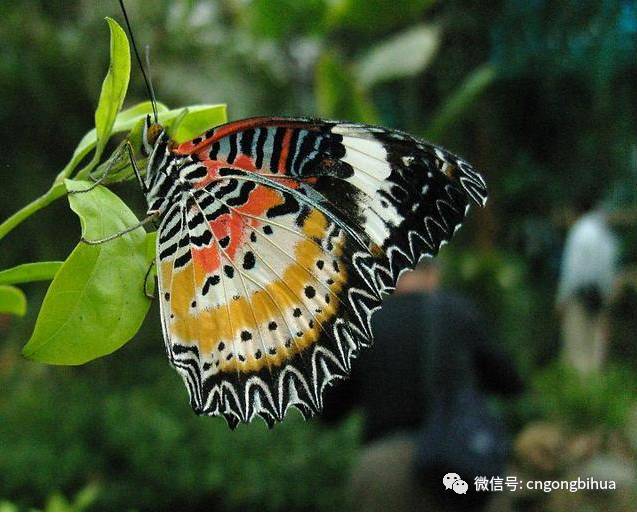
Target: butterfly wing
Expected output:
[292,233]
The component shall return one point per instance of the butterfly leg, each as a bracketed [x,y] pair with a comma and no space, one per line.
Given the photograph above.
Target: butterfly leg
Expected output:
[138,175]
[149,294]
[107,170]
[125,146]
[117,235]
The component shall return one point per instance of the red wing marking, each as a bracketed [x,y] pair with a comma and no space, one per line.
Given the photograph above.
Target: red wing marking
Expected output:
[279,295]
[215,134]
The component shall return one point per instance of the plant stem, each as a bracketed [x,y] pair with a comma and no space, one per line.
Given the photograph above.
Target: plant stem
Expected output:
[56,191]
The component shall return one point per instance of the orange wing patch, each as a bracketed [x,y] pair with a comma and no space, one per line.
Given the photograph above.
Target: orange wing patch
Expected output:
[279,239]
[219,332]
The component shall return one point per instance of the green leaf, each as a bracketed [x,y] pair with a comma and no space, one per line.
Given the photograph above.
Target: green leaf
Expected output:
[114,87]
[57,502]
[124,122]
[126,119]
[96,302]
[403,55]
[117,167]
[151,245]
[111,100]
[9,506]
[12,300]
[86,497]
[198,119]
[182,125]
[25,273]
[173,126]
[460,100]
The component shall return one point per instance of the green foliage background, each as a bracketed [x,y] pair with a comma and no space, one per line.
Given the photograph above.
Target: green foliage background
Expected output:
[541,96]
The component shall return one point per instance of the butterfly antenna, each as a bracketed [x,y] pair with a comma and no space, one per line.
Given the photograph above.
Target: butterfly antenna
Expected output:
[149,86]
[150,80]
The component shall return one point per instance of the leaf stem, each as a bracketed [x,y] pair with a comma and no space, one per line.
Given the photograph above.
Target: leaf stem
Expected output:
[56,191]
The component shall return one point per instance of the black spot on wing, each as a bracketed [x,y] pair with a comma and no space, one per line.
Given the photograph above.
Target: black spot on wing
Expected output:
[307,146]
[246,142]
[211,281]
[197,173]
[289,206]
[224,190]
[227,171]
[263,134]
[244,195]
[169,234]
[183,259]
[195,220]
[292,150]
[232,154]
[205,201]
[201,240]
[329,166]
[248,260]
[169,251]
[277,146]
[214,151]
[223,209]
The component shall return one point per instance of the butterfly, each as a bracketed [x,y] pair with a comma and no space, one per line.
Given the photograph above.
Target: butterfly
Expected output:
[278,240]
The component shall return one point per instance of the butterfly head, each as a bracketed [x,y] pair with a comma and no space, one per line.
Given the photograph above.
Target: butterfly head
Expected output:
[150,135]
[156,145]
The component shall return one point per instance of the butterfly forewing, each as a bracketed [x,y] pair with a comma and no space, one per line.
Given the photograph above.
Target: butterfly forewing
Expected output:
[279,243]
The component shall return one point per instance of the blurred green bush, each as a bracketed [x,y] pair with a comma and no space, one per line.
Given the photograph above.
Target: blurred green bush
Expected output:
[602,400]
[132,434]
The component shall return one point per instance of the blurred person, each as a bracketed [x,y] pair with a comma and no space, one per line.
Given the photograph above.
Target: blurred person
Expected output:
[588,272]
[422,390]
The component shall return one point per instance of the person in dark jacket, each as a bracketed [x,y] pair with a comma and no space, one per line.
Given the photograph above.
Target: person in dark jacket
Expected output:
[430,347]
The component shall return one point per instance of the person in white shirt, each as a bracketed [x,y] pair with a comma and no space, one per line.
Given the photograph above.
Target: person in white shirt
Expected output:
[589,268]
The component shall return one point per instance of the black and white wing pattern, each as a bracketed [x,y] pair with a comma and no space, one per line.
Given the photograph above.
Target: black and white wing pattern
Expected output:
[281,245]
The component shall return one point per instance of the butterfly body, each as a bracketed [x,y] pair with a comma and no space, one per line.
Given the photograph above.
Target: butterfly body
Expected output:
[279,237]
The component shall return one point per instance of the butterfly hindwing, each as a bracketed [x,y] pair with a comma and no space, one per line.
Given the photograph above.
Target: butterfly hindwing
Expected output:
[290,233]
